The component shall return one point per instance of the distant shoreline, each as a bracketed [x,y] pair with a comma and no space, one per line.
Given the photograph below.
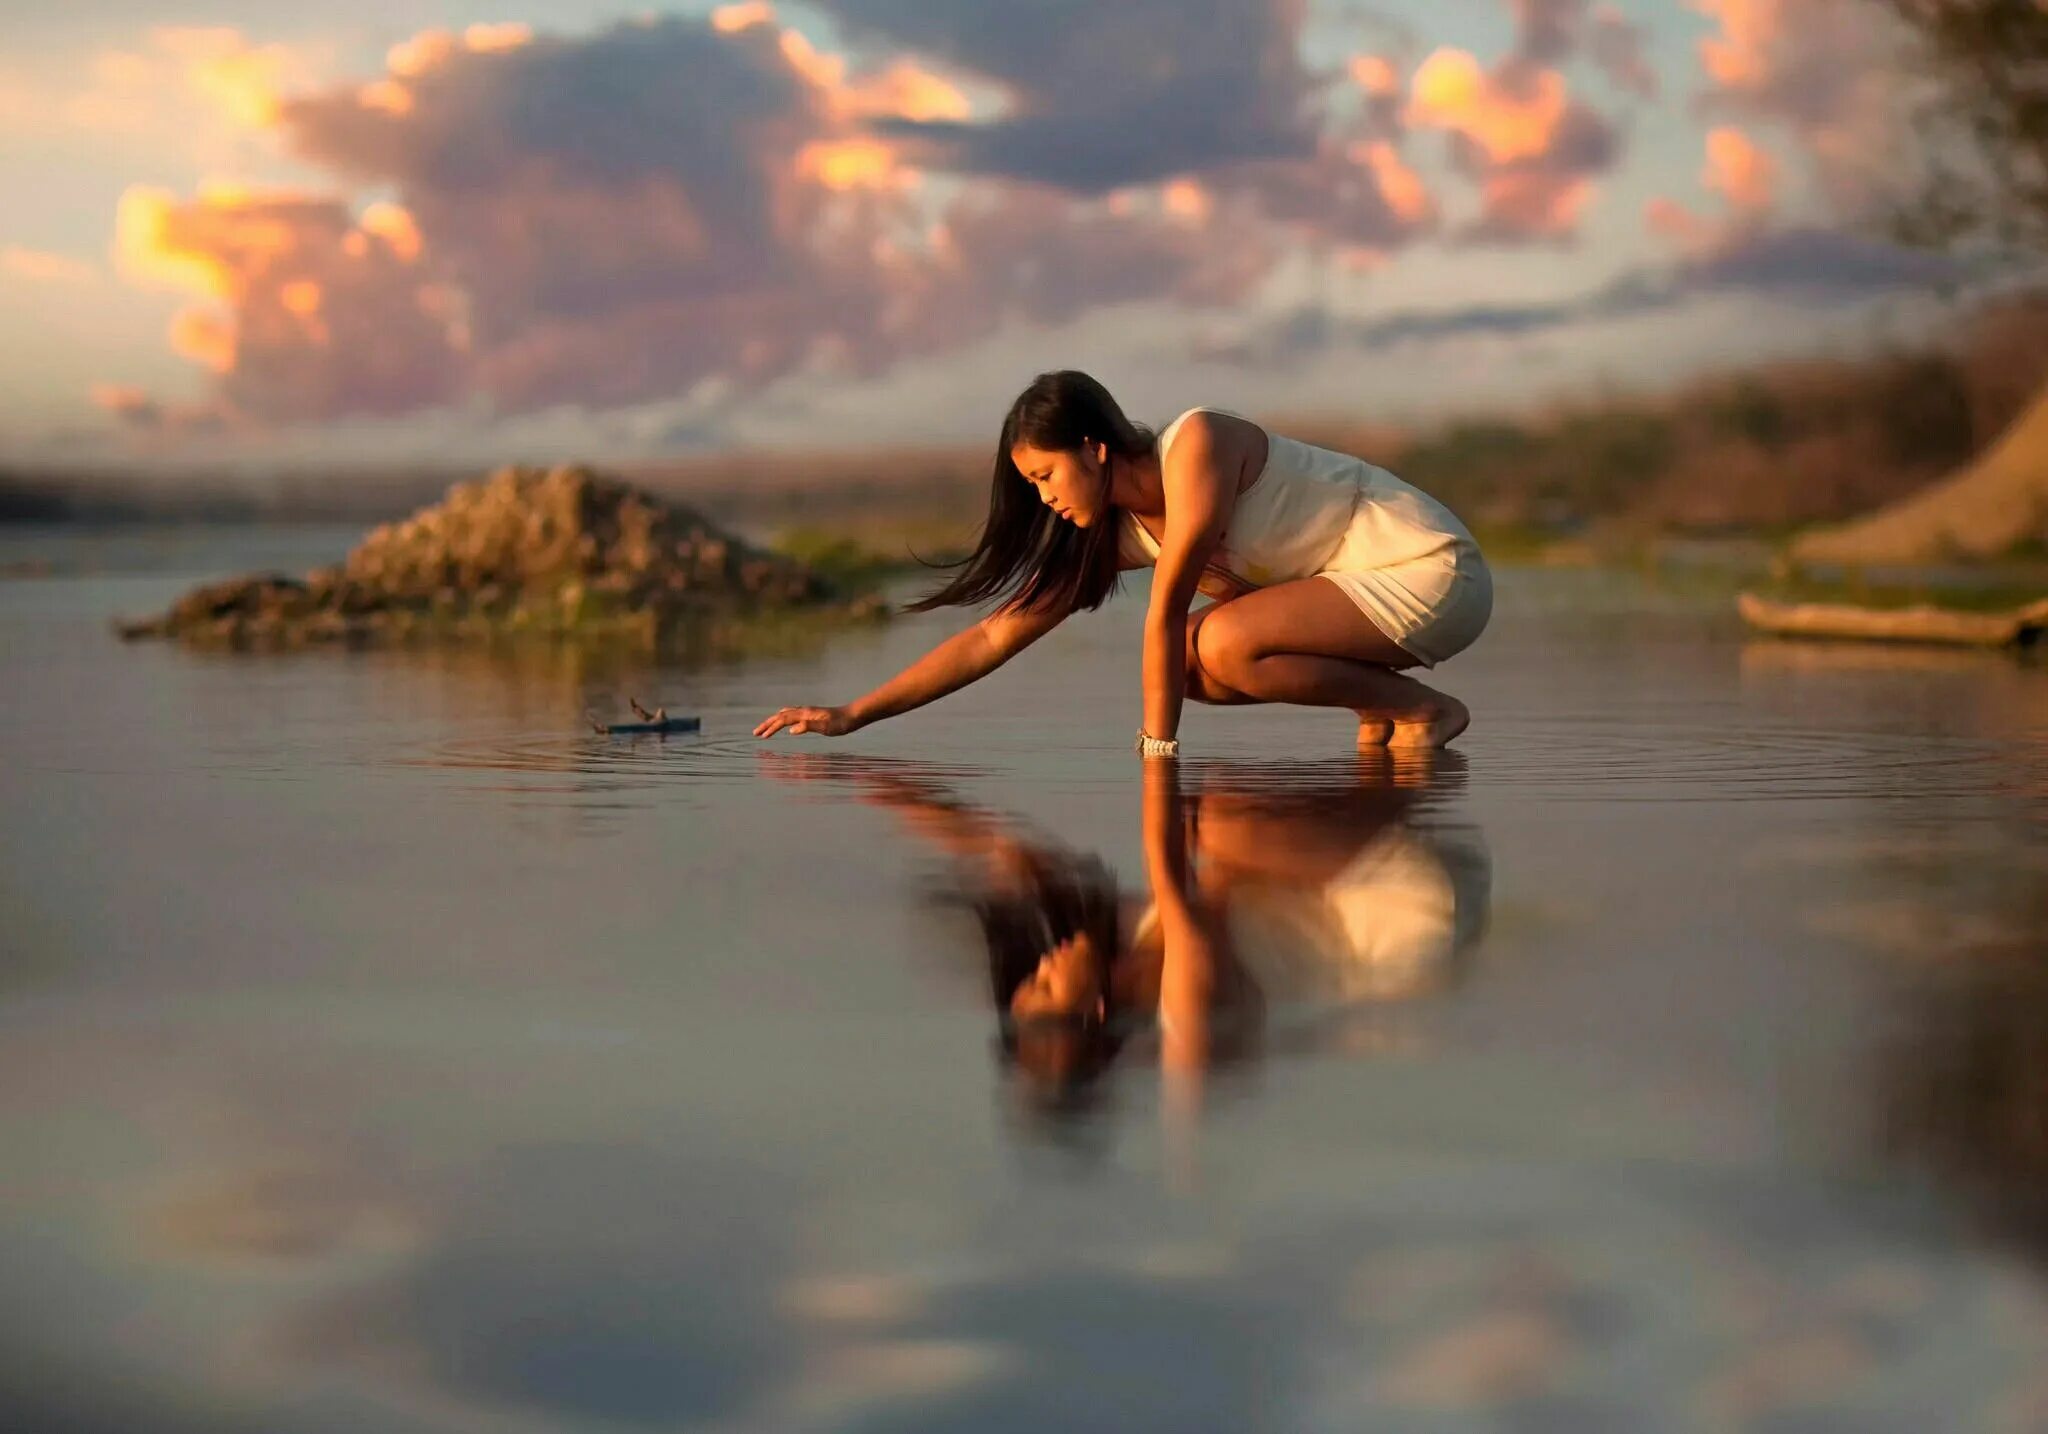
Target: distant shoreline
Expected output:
[1759,453]
[940,484]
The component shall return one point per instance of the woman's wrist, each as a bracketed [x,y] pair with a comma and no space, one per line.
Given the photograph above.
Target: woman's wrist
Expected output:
[1150,746]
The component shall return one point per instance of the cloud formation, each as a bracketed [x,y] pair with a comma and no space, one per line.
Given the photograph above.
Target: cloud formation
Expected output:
[216,64]
[40,266]
[678,205]
[1746,178]
[1823,70]
[1101,96]
[607,219]
[1533,149]
[1802,266]
[128,404]
[1818,77]
[1617,47]
[304,312]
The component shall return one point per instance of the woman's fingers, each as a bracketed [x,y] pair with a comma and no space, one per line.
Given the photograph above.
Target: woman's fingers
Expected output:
[794,720]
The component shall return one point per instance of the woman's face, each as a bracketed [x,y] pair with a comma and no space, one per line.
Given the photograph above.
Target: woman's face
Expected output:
[1068,982]
[1069,481]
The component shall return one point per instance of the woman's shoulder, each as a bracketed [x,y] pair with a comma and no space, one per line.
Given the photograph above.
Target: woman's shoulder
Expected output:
[1166,434]
[1206,408]
[1200,413]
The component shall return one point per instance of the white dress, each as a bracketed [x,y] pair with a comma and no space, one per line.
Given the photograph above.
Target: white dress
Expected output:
[1399,554]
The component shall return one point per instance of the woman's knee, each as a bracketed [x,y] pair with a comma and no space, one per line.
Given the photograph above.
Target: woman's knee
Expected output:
[1223,647]
[1202,685]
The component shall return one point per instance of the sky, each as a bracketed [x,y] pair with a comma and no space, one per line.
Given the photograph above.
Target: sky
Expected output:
[285,234]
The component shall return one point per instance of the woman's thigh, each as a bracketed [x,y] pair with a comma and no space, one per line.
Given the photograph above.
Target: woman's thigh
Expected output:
[1309,615]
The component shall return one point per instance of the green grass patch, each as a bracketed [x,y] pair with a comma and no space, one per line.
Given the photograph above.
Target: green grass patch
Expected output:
[1995,594]
[863,558]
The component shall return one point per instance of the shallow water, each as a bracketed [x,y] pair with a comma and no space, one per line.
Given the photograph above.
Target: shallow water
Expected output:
[380,1050]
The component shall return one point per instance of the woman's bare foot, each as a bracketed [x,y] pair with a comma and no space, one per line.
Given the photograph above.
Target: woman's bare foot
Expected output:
[1450,718]
[1373,729]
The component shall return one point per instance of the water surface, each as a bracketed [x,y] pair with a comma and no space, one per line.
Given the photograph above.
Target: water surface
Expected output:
[381,1050]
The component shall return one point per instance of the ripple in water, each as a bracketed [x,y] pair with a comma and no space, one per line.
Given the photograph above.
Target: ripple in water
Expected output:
[1591,759]
[587,764]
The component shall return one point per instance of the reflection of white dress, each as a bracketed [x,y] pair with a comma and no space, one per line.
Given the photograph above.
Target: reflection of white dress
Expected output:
[1383,928]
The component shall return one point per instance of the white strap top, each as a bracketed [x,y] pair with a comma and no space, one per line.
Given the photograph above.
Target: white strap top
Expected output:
[1296,512]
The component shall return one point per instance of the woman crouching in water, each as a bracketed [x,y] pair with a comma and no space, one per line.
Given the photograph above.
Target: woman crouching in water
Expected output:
[1329,574]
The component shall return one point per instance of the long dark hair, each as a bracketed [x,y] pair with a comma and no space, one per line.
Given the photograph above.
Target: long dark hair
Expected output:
[1062,894]
[1027,555]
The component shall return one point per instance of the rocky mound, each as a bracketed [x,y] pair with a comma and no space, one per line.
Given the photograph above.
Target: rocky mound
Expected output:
[562,551]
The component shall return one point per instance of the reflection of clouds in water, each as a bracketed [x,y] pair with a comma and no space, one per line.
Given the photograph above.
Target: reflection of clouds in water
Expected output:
[578,1281]
[1961,1077]
[578,1284]
[1954,911]
[1971,880]
[1569,1298]
[585,1285]
[1095,1346]
[278,1215]
[1910,927]
[1626,1312]
[845,1382]
[575,1284]
[1926,851]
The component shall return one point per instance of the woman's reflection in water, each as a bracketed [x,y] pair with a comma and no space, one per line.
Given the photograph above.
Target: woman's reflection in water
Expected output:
[1282,906]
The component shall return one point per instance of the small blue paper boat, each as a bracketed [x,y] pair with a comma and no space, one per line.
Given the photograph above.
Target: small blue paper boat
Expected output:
[656,721]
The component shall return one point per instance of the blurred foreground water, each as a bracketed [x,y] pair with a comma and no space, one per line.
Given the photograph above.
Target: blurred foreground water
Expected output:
[381,1051]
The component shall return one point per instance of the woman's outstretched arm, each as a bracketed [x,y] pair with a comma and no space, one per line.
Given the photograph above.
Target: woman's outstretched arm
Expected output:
[967,655]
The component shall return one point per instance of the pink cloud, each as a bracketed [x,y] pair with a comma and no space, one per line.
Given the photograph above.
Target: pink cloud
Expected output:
[41,266]
[1534,151]
[1825,71]
[618,217]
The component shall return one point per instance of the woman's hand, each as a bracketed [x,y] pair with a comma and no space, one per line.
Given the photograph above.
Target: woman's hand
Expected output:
[825,721]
